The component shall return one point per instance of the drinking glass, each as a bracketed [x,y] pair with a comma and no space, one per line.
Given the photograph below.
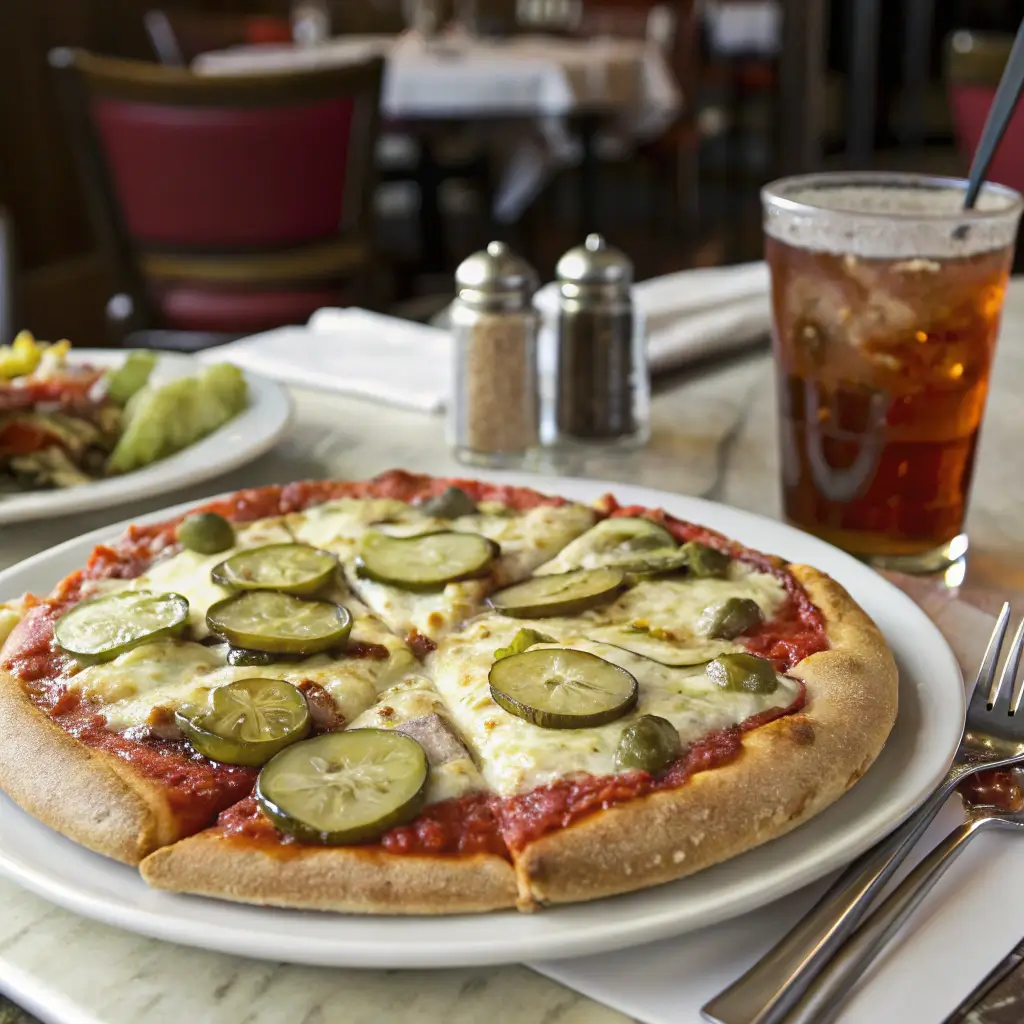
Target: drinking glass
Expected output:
[886,299]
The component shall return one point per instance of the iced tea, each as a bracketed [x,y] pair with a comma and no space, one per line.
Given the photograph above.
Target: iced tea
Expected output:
[886,302]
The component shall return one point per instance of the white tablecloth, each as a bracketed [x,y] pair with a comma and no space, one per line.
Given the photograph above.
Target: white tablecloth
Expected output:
[537,78]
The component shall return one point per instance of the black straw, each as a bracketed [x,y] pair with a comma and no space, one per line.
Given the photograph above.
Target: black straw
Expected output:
[1007,96]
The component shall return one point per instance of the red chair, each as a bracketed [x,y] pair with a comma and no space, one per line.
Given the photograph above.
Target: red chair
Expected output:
[975,62]
[226,205]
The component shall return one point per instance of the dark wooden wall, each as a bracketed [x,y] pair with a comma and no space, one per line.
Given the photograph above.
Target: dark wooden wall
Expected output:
[63,281]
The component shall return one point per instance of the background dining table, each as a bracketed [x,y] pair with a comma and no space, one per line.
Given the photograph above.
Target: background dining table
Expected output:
[563,95]
[714,436]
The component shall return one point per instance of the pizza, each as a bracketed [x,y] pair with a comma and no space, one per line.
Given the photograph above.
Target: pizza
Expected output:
[413,695]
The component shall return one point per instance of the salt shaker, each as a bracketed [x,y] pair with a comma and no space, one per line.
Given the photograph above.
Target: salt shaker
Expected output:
[602,386]
[493,417]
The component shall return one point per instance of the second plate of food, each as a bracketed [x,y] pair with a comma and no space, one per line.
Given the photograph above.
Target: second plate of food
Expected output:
[246,435]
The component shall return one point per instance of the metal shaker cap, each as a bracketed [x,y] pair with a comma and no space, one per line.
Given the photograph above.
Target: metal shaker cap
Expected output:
[594,264]
[495,278]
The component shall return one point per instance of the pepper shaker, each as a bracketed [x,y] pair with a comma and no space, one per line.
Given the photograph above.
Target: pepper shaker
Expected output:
[602,386]
[493,417]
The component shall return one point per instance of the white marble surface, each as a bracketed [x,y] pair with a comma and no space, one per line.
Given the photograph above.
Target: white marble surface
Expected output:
[714,436]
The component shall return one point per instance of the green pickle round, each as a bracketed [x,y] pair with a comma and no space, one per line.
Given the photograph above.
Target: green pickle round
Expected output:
[659,562]
[344,788]
[275,623]
[559,688]
[206,533]
[730,618]
[290,568]
[101,628]
[742,671]
[247,721]
[428,561]
[564,593]
[649,744]
[622,537]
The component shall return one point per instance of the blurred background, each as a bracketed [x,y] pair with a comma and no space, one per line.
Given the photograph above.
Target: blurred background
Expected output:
[260,159]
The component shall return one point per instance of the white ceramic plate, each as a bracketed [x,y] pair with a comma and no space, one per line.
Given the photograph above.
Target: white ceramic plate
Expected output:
[913,761]
[240,441]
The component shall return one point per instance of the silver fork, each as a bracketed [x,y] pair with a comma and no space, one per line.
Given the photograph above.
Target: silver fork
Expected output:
[993,738]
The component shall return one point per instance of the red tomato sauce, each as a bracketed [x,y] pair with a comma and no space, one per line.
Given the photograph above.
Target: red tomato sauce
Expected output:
[199,789]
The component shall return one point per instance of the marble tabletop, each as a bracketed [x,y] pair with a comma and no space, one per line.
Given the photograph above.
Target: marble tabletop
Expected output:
[714,436]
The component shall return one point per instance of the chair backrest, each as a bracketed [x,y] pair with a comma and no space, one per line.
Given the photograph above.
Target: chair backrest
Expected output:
[178,37]
[177,164]
[974,65]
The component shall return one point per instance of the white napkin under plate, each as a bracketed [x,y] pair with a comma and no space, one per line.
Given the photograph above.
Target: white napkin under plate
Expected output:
[690,316]
[967,924]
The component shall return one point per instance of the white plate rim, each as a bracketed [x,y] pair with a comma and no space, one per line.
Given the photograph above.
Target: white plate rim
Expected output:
[240,441]
[455,941]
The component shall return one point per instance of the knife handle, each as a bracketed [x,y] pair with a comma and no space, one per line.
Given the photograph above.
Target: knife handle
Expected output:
[771,988]
[827,993]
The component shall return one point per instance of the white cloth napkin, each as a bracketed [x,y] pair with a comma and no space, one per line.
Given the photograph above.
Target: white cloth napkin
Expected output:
[352,352]
[690,316]
[968,923]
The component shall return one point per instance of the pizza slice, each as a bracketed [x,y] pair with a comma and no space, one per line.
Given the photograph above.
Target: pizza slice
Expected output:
[92,679]
[448,859]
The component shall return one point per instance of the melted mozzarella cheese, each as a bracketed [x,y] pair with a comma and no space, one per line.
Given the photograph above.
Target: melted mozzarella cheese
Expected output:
[518,756]
[676,603]
[526,539]
[413,698]
[338,525]
[188,572]
[166,674]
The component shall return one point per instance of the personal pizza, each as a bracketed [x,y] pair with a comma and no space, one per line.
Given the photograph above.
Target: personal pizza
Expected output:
[413,695]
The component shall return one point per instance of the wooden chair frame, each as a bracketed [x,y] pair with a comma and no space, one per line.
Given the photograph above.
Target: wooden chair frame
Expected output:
[82,76]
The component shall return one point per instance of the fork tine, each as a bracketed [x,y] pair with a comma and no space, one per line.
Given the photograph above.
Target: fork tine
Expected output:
[987,672]
[1011,667]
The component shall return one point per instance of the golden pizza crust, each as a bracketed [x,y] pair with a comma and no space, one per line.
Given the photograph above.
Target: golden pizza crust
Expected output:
[352,879]
[88,795]
[789,770]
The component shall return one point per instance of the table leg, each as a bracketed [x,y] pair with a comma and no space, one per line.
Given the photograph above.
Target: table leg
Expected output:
[862,82]
[433,254]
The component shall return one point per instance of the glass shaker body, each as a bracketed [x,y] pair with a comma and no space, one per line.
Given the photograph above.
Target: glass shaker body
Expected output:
[603,391]
[602,383]
[494,412]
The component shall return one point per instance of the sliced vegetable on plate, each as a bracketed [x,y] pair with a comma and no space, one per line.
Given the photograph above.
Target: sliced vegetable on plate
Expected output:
[64,422]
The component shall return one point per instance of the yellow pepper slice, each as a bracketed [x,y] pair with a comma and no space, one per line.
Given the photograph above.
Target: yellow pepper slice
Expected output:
[21,357]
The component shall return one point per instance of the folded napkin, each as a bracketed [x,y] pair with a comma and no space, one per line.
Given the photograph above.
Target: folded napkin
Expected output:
[965,927]
[689,316]
[353,352]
